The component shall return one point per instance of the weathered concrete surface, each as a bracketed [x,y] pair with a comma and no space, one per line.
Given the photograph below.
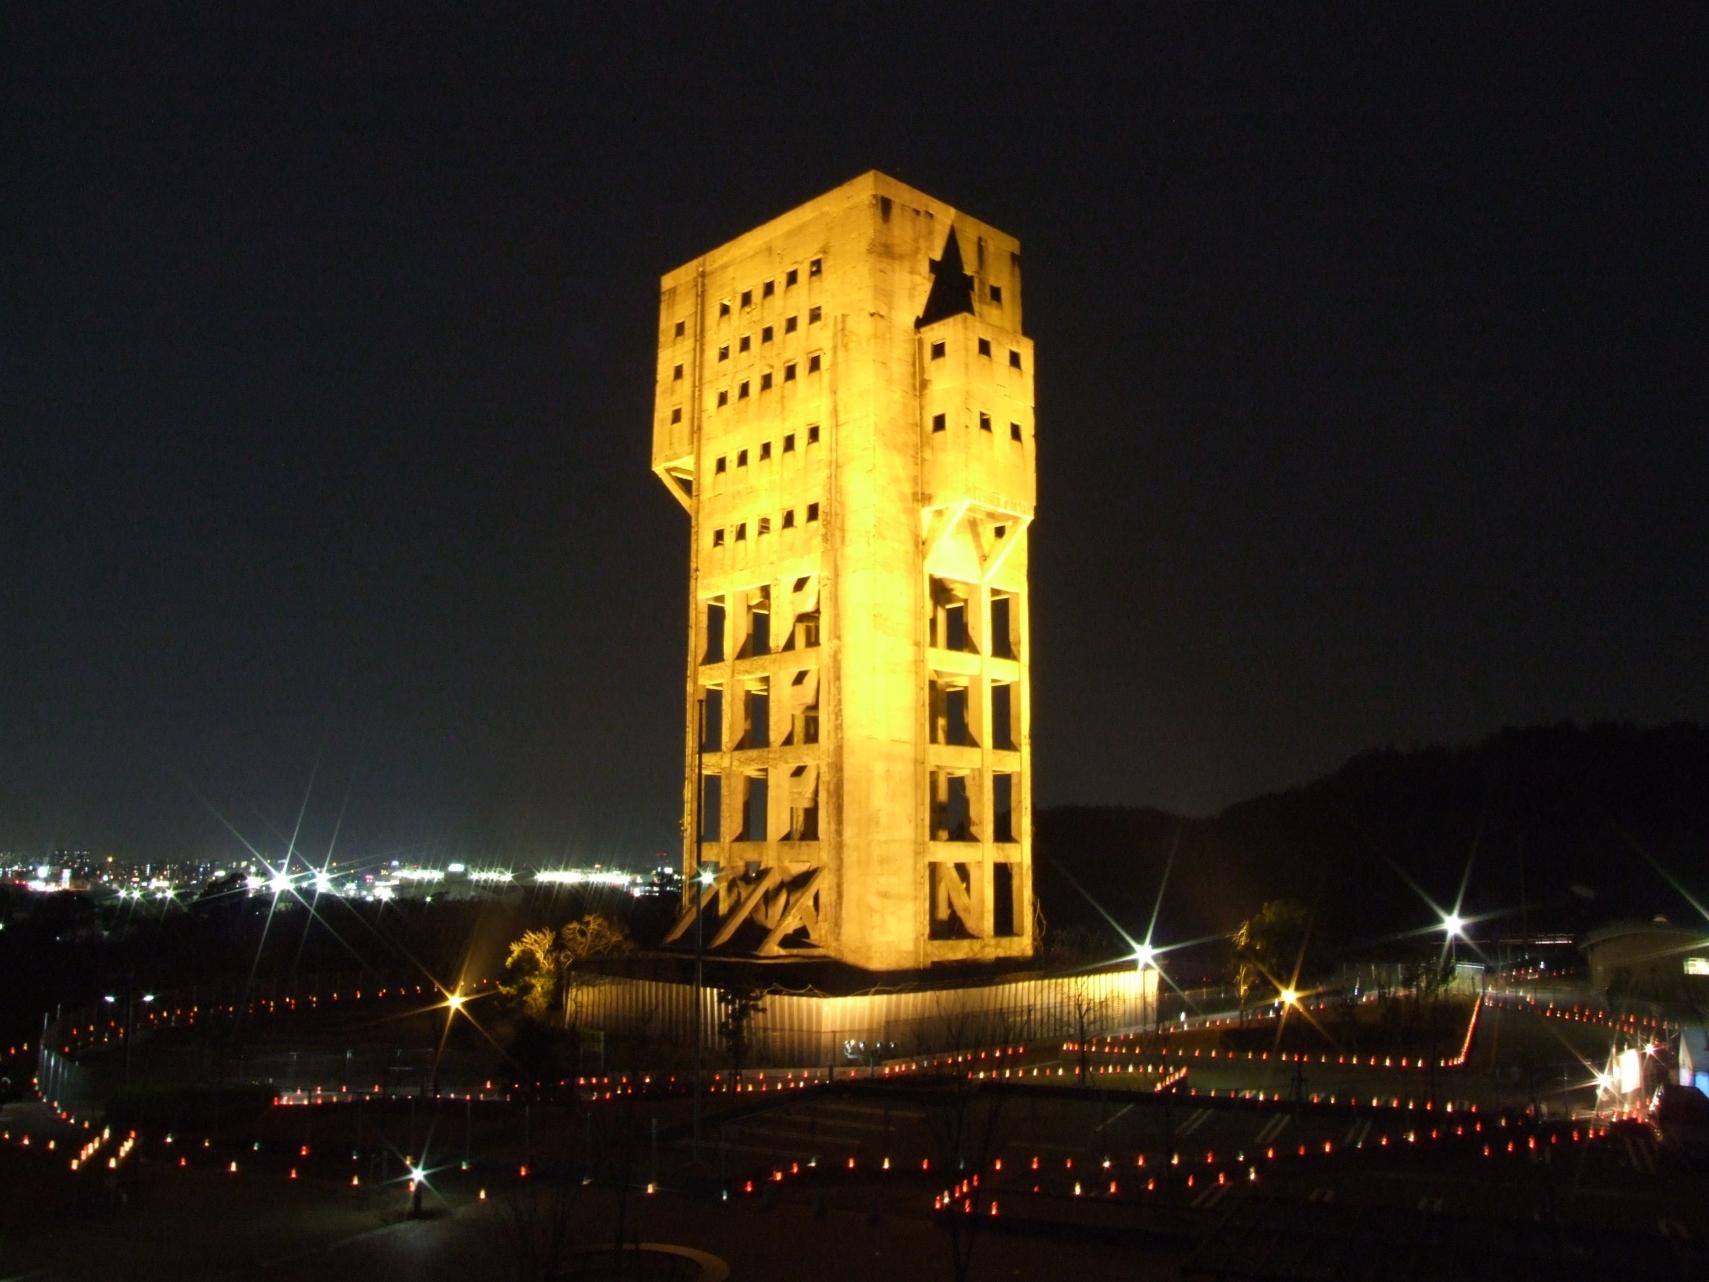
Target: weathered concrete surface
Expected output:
[845,410]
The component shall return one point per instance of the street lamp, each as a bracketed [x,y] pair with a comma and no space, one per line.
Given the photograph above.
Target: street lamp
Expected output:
[453,1004]
[704,881]
[1145,957]
[130,1020]
[1455,926]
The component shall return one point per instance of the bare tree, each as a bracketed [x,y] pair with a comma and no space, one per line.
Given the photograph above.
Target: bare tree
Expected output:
[539,1226]
[1088,1013]
[965,1119]
[736,1009]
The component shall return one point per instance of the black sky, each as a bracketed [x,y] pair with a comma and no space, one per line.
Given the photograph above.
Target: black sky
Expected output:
[1371,377]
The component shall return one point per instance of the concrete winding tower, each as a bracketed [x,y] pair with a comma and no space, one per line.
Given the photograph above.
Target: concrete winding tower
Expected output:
[845,411]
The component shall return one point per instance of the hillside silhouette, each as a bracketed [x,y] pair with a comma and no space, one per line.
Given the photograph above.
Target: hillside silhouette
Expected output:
[1563,826]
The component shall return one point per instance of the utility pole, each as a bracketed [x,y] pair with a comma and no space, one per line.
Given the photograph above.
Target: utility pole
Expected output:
[701,882]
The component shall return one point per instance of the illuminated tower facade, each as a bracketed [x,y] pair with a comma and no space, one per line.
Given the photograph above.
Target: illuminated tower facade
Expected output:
[845,411]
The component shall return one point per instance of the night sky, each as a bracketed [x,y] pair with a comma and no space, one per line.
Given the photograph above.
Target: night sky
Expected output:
[1372,365]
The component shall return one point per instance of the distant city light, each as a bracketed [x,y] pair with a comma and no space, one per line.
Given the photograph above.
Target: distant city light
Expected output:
[578,877]
[1453,923]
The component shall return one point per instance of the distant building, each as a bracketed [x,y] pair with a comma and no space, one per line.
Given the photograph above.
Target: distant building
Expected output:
[845,411]
[1649,961]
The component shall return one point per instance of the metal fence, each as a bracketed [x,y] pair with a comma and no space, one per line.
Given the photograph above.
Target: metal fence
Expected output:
[805,1028]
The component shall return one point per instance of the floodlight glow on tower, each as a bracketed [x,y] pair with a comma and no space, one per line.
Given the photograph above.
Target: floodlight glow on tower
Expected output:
[844,409]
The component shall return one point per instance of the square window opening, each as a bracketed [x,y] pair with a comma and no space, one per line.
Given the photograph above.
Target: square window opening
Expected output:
[952,811]
[711,806]
[712,719]
[1005,899]
[1003,619]
[759,625]
[754,805]
[1003,716]
[713,630]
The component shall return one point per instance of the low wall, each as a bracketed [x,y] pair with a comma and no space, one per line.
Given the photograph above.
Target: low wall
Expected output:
[808,1028]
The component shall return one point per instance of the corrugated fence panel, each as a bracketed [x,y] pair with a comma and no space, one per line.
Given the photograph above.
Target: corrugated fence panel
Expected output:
[811,1028]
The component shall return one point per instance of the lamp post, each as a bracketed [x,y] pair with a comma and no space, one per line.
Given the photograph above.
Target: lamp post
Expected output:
[703,881]
[1145,956]
[130,1020]
[453,1004]
[1454,926]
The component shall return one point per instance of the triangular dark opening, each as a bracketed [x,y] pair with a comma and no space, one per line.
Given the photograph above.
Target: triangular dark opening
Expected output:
[952,288]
